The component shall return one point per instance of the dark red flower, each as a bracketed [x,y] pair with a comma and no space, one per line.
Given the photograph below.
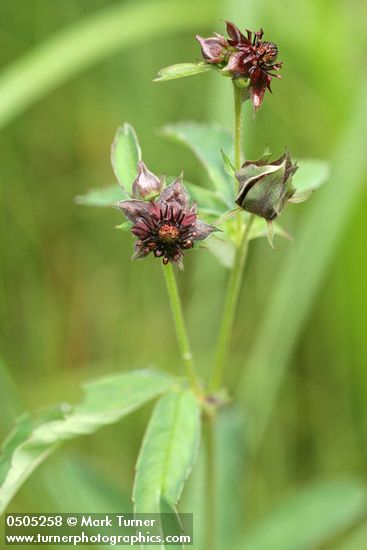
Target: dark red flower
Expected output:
[245,57]
[166,226]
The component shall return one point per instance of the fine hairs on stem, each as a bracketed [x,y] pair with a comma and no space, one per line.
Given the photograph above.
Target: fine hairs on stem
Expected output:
[180,327]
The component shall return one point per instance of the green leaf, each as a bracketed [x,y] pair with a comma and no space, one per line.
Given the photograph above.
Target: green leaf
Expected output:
[223,249]
[206,141]
[104,196]
[181,70]
[168,453]
[223,245]
[309,518]
[208,201]
[125,155]
[311,174]
[106,401]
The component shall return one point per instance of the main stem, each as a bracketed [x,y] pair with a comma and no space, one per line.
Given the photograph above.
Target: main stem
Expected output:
[234,287]
[234,284]
[225,332]
[180,326]
[237,134]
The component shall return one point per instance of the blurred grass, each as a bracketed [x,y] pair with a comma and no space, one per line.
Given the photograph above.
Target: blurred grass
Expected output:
[72,306]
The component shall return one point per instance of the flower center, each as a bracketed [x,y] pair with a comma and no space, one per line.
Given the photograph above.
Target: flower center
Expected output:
[168,233]
[267,51]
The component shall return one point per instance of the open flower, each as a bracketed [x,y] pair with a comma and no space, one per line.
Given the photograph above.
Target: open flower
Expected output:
[244,57]
[264,188]
[167,226]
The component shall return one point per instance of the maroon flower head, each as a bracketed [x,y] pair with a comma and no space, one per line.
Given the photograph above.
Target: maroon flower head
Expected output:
[244,57]
[167,226]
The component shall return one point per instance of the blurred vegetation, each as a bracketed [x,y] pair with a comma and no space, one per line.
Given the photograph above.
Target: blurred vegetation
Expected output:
[72,306]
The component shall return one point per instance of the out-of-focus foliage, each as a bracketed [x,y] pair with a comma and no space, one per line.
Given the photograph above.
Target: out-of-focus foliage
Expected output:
[71,304]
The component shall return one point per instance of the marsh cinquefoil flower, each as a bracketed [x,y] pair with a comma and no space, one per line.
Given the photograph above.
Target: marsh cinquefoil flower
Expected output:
[243,57]
[166,226]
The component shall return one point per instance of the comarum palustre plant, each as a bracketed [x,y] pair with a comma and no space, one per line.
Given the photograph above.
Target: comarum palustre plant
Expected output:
[167,220]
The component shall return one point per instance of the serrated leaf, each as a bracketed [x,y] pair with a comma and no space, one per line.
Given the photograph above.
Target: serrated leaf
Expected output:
[310,517]
[106,401]
[206,141]
[181,70]
[125,154]
[104,196]
[168,453]
[311,174]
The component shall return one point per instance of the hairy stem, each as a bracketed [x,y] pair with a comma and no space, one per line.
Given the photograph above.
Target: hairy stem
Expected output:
[180,326]
[225,331]
[237,134]
[234,287]
[235,280]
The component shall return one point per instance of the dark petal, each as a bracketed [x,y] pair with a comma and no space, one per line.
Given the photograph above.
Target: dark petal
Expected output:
[188,219]
[259,83]
[155,210]
[235,64]
[235,33]
[141,230]
[202,230]
[213,48]
[133,209]
[174,195]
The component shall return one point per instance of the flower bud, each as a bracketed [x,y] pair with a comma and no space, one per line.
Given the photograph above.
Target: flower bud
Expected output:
[214,48]
[147,185]
[264,187]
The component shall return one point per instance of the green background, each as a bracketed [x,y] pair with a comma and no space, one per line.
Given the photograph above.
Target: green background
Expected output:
[72,306]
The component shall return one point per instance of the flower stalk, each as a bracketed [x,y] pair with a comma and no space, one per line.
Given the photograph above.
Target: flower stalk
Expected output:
[238,101]
[180,327]
[235,280]
[230,306]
